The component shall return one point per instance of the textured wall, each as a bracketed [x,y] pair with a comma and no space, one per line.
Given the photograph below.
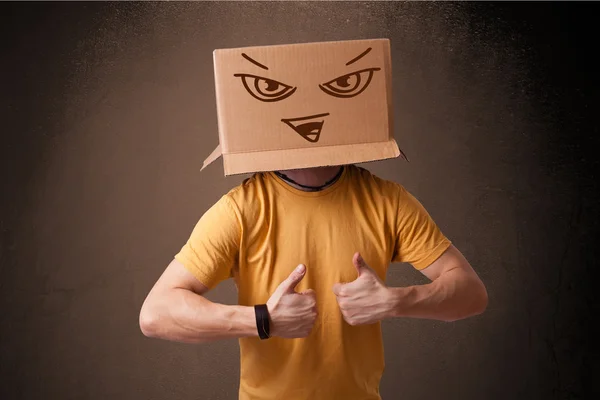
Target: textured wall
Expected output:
[108,112]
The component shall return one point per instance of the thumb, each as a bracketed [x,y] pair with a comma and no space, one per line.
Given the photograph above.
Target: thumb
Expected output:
[359,263]
[290,283]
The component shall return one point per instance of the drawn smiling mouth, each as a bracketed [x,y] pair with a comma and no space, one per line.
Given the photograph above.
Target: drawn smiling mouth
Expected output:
[309,130]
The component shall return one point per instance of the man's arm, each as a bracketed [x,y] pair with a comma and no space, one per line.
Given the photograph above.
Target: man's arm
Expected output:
[455,293]
[176,310]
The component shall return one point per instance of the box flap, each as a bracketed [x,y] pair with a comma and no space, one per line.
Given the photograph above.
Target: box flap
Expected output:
[239,163]
[216,153]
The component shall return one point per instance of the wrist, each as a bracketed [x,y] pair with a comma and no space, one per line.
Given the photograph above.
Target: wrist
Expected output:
[397,300]
[246,320]
[270,309]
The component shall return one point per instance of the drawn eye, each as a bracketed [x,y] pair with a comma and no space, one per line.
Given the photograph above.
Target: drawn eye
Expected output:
[349,85]
[265,89]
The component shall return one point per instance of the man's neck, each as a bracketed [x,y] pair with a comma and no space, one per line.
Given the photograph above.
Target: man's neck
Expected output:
[314,177]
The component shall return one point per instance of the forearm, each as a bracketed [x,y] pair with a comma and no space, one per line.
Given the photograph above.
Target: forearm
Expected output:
[184,316]
[453,296]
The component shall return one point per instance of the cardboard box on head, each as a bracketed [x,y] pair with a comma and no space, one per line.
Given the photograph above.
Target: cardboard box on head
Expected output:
[304,105]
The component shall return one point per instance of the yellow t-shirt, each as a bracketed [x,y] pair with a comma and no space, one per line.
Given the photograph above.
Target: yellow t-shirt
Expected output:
[262,229]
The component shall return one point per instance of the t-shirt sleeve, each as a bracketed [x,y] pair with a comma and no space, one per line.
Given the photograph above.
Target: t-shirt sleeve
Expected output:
[419,241]
[212,248]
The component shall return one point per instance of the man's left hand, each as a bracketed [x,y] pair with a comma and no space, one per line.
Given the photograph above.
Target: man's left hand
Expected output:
[364,300]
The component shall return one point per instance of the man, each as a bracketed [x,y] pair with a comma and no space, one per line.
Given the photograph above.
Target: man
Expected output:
[341,227]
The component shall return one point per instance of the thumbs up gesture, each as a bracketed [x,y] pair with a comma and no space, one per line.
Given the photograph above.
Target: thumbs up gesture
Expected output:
[292,314]
[364,300]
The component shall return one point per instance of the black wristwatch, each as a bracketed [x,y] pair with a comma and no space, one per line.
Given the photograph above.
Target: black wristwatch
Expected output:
[262,321]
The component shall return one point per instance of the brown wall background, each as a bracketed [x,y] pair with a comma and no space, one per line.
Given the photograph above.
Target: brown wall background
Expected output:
[108,112]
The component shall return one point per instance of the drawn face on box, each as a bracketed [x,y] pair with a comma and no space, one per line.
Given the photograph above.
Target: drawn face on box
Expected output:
[298,96]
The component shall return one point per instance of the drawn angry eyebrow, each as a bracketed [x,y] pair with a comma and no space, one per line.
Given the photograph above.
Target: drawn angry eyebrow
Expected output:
[361,55]
[247,57]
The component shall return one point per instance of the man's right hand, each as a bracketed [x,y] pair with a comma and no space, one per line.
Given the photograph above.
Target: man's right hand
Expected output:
[292,314]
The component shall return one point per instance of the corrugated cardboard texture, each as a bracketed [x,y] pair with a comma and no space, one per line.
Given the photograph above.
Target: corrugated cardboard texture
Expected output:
[304,105]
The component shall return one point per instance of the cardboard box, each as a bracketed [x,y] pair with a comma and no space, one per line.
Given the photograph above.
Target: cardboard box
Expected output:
[304,105]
